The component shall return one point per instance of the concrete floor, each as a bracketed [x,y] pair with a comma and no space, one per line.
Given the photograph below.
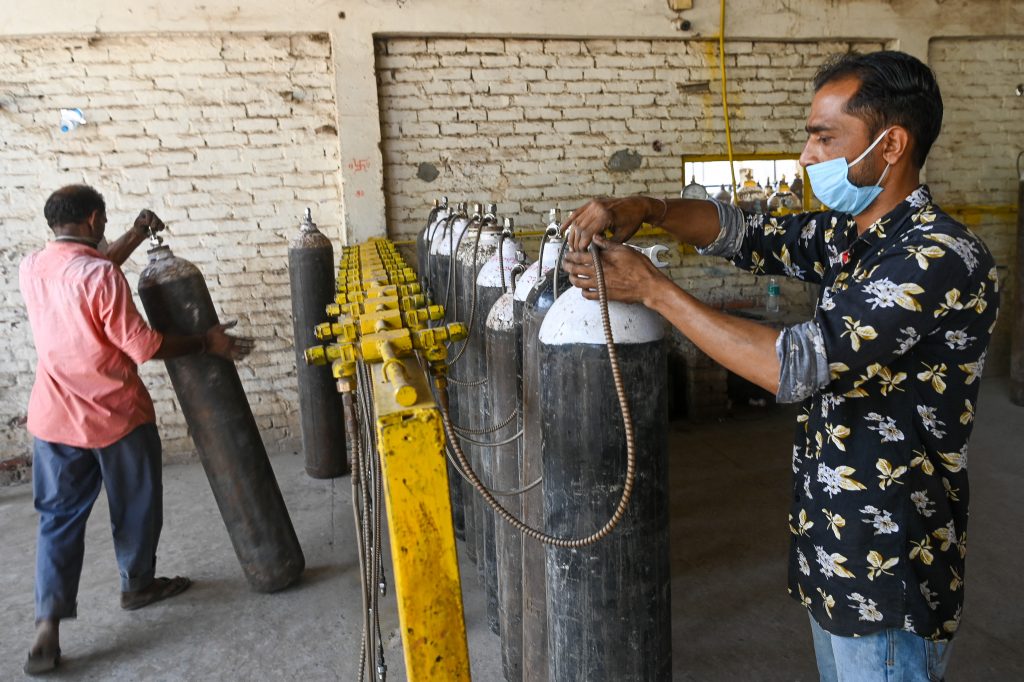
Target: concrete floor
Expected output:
[732,619]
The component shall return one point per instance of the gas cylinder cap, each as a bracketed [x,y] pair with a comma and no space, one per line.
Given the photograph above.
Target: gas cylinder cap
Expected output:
[155,241]
[307,220]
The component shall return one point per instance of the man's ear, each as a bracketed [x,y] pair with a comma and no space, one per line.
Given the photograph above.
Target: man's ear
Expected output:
[896,145]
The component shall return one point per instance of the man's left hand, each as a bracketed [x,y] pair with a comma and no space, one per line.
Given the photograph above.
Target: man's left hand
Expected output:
[629,276]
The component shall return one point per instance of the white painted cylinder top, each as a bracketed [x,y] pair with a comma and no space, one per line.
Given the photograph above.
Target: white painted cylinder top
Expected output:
[574,319]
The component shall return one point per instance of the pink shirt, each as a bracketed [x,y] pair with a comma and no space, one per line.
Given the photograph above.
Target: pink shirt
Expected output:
[89,338]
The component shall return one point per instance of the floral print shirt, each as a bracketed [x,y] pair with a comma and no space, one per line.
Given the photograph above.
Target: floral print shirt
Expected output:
[889,370]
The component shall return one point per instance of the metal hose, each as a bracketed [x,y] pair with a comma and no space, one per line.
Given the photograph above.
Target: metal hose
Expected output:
[353,429]
[453,247]
[478,382]
[497,493]
[472,304]
[481,432]
[510,439]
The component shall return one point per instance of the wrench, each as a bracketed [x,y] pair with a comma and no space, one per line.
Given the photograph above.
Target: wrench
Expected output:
[652,252]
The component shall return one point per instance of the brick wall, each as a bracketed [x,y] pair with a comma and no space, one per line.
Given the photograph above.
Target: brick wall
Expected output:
[227,137]
[533,124]
[974,160]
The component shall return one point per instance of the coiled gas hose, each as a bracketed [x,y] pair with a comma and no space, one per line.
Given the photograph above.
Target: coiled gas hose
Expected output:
[627,423]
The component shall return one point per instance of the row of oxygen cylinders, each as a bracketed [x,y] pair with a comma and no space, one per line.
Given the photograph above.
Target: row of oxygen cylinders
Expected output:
[533,401]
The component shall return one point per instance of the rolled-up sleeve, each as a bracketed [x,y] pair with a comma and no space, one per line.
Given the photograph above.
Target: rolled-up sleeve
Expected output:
[803,365]
[122,323]
[730,238]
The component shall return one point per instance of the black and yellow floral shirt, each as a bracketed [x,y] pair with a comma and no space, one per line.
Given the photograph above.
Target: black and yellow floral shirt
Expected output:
[889,370]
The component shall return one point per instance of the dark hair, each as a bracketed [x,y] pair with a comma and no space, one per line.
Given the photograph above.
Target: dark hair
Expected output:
[895,89]
[72,204]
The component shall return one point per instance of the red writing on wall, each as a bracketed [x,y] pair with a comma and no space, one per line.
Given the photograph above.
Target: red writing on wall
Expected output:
[359,165]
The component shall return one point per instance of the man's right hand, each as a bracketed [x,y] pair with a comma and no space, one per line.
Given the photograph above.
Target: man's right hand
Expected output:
[623,217]
[147,222]
[218,342]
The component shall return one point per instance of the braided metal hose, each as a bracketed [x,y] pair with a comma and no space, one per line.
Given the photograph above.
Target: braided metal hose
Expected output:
[449,221]
[453,247]
[357,461]
[558,265]
[510,439]
[481,432]
[478,382]
[497,493]
[367,484]
[627,423]
[472,304]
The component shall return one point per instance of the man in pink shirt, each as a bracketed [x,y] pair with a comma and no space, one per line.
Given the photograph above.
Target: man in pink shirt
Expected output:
[91,417]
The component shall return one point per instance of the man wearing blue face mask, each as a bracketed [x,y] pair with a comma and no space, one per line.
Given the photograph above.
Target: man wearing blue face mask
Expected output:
[888,368]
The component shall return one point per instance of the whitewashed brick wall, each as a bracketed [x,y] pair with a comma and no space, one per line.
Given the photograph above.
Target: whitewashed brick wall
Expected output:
[532,124]
[227,137]
[974,160]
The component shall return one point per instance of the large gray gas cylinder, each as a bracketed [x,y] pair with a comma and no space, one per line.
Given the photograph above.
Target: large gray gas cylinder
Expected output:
[223,429]
[499,462]
[467,369]
[608,607]
[534,611]
[311,275]
[444,240]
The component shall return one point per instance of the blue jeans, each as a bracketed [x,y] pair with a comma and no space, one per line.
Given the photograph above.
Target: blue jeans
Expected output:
[65,483]
[887,656]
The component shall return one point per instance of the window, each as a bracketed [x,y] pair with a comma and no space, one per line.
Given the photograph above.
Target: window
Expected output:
[766,183]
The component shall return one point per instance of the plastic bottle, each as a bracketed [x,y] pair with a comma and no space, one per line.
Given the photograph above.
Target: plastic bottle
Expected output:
[70,119]
[771,303]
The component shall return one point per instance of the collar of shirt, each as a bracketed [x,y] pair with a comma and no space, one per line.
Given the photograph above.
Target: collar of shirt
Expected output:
[72,246]
[885,228]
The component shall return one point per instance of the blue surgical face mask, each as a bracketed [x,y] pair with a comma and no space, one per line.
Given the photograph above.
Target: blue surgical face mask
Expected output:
[831,184]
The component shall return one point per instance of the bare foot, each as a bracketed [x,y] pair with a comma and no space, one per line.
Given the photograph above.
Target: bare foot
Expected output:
[45,652]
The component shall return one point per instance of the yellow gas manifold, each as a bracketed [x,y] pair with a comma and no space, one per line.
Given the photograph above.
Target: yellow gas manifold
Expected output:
[381,317]
[380,348]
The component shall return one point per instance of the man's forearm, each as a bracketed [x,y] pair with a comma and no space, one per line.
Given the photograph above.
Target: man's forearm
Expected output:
[175,346]
[120,249]
[743,346]
[692,221]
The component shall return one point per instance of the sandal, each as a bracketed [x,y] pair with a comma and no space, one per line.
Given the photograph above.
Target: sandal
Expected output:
[159,589]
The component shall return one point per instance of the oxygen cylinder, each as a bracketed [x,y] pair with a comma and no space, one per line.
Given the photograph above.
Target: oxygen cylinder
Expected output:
[1017,331]
[535,617]
[550,246]
[509,461]
[444,238]
[608,605]
[499,462]
[462,231]
[469,367]
[437,214]
[311,274]
[217,412]
[447,235]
